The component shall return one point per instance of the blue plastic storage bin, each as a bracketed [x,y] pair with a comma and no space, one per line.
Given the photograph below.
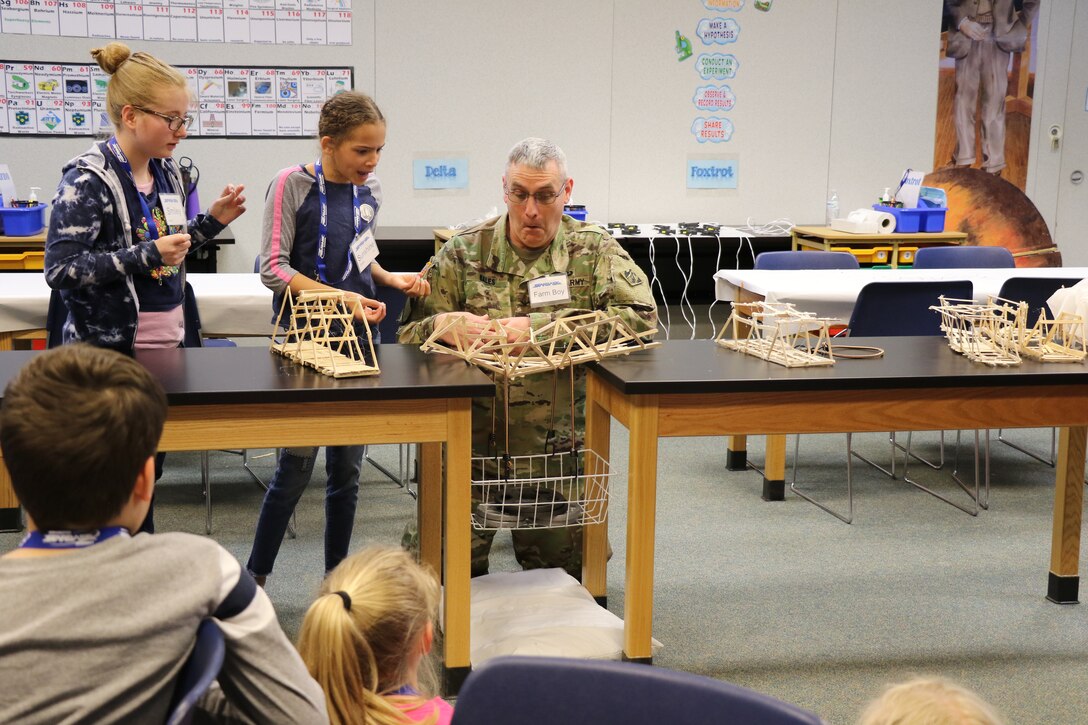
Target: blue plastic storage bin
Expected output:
[18,222]
[910,221]
[575,211]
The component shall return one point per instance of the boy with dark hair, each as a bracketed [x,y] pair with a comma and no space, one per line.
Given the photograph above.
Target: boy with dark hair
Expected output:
[98,622]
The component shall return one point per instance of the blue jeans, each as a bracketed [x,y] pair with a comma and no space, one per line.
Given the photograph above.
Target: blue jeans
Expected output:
[293,471]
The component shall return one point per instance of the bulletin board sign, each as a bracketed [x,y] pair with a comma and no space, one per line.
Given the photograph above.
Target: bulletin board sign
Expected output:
[69,99]
[272,22]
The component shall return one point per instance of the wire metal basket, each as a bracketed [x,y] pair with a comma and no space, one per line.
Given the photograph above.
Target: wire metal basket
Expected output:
[543,491]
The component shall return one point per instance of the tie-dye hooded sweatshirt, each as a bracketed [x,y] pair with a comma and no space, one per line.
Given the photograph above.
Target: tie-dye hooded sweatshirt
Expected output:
[91,253]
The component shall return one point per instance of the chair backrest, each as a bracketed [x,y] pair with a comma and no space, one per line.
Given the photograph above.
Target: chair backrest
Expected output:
[806,260]
[198,672]
[553,690]
[902,308]
[963,258]
[1035,291]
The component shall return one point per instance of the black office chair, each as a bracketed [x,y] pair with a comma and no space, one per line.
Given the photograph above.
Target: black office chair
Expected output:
[966,257]
[892,309]
[806,260]
[1035,291]
[558,691]
[198,673]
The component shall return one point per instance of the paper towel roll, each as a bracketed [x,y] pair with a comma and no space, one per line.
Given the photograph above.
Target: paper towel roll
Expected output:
[871,221]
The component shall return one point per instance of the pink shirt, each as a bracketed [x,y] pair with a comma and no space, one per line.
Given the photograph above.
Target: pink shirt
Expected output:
[427,709]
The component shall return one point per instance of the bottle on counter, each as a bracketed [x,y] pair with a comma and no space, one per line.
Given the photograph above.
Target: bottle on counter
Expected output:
[832,207]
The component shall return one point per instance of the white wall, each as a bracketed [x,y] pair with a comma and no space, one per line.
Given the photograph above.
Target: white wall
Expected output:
[837,93]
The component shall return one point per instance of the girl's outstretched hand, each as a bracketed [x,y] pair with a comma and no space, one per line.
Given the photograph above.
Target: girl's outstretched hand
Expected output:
[230,205]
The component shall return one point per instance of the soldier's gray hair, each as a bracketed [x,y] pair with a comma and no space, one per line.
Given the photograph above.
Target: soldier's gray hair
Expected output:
[536,153]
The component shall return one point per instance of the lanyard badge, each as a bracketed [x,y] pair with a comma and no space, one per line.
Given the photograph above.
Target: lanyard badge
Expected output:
[64,539]
[323,224]
[152,227]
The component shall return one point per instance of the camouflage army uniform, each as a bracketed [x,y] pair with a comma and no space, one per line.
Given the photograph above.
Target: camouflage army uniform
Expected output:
[479,271]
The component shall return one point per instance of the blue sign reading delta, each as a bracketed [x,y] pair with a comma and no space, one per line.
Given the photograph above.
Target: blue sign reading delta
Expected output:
[440,173]
[712,174]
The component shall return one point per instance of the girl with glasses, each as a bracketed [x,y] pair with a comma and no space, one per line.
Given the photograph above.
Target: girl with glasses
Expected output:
[118,233]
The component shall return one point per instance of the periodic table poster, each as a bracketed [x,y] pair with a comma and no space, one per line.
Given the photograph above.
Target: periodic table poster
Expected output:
[281,22]
[69,99]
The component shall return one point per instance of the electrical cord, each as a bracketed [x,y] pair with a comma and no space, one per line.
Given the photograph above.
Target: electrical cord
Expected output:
[687,280]
[655,281]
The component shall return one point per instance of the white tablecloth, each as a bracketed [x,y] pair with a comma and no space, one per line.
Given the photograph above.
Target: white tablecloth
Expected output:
[229,304]
[832,292]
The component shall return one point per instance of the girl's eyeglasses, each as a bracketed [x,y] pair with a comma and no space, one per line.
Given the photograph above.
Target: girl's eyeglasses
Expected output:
[174,122]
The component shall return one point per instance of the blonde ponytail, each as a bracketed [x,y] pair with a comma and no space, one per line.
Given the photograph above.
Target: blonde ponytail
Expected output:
[357,637]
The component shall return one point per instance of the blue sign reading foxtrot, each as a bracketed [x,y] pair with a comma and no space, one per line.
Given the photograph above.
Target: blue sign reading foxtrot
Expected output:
[439,173]
[712,174]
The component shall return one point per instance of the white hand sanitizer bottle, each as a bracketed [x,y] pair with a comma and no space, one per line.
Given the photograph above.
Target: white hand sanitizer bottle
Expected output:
[832,207]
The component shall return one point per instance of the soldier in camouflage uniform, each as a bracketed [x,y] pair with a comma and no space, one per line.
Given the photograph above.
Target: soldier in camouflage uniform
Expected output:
[484,273]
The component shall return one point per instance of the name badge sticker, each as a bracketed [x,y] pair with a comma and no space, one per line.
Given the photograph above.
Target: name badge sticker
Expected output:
[173,210]
[364,249]
[551,289]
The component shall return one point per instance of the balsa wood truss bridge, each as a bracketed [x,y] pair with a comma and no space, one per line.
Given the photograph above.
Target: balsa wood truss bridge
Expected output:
[778,332]
[996,333]
[320,334]
[566,341]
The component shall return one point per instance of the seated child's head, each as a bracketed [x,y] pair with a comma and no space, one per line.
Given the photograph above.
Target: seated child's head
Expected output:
[929,701]
[368,631]
[77,426]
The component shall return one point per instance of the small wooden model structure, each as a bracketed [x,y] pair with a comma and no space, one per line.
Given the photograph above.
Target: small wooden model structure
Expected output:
[563,342]
[997,333]
[320,334]
[778,332]
[983,333]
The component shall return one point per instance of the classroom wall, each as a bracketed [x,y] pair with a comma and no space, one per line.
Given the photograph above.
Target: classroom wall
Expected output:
[835,94]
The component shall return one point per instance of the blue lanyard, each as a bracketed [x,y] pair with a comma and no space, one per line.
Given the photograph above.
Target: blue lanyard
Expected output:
[62,539]
[323,223]
[152,227]
[407,691]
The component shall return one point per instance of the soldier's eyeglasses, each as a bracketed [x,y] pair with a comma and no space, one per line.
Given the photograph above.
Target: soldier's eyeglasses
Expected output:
[544,197]
[174,122]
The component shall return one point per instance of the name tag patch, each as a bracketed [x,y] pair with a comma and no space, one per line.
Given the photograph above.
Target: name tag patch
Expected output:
[551,289]
[364,248]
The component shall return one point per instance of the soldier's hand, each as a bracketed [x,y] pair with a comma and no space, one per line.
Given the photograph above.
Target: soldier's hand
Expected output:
[173,248]
[473,325]
[973,30]
[517,328]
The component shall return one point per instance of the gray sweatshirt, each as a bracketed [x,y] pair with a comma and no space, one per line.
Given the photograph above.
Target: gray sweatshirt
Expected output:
[100,634]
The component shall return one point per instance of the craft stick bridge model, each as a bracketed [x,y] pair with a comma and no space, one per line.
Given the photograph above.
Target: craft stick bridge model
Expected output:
[320,334]
[513,353]
[997,333]
[779,333]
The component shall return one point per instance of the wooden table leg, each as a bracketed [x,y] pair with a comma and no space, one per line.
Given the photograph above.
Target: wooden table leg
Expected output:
[736,455]
[430,506]
[1064,580]
[595,536]
[458,502]
[638,610]
[774,470]
[10,518]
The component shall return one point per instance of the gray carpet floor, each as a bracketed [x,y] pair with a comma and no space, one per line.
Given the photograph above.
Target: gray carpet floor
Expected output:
[779,597]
